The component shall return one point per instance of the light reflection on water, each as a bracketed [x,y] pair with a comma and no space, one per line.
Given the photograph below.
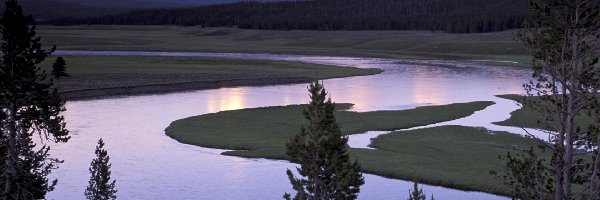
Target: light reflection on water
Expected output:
[149,165]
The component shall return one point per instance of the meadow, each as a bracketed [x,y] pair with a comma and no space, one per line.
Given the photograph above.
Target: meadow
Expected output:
[451,156]
[97,76]
[496,46]
[528,117]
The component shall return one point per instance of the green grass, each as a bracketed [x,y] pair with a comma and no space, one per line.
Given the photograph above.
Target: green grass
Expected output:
[528,118]
[452,156]
[395,44]
[91,72]
[263,132]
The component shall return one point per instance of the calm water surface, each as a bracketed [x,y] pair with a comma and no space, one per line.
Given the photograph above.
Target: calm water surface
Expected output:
[149,165]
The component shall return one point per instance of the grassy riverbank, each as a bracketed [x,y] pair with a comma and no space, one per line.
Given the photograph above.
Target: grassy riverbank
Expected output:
[526,117]
[498,46]
[263,132]
[96,76]
[452,156]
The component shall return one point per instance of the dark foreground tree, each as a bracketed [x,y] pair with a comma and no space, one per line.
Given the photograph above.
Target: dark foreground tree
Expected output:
[59,68]
[100,186]
[417,193]
[29,108]
[564,37]
[322,152]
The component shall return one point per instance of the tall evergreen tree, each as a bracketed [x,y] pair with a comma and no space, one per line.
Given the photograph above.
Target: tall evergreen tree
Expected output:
[564,38]
[59,68]
[322,152]
[34,166]
[417,193]
[28,107]
[100,186]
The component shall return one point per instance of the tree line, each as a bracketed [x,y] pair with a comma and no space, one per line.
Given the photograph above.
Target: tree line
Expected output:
[453,16]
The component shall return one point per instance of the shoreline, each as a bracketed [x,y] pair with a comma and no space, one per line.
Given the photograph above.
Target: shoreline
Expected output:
[102,93]
[495,47]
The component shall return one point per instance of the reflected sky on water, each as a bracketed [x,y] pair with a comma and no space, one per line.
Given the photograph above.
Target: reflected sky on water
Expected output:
[149,165]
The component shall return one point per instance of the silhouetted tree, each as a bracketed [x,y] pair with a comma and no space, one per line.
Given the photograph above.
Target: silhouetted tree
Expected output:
[416,193]
[564,37]
[59,68]
[28,106]
[322,152]
[100,186]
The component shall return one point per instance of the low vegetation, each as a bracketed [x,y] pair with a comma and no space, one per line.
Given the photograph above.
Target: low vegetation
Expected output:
[498,46]
[99,76]
[451,156]
[263,132]
[526,117]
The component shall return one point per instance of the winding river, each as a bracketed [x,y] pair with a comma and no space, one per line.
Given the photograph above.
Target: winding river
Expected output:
[149,165]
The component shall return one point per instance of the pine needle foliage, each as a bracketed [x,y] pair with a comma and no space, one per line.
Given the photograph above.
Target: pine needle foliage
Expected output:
[59,68]
[325,171]
[29,107]
[416,193]
[100,186]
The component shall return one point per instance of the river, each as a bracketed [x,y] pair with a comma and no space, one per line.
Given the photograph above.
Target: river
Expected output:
[149,165]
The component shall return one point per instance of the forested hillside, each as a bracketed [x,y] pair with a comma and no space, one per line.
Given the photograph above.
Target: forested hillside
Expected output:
[56,9]
[455,16]
[138,4]
[52,9]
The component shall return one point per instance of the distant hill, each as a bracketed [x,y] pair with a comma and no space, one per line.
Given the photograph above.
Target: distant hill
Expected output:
[455,16]
[137,4]
[54,9]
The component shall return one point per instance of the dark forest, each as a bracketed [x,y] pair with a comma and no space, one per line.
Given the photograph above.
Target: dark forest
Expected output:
[453,16]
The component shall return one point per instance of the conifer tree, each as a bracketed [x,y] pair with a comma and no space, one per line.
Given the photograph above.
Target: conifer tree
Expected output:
[417,193]
[34,166]
[564,39]
[322,152]
[100,186]
[28,107]
[59,68]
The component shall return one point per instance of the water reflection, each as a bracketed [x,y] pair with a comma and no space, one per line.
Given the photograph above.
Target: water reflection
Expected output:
[225,99]
[424,86]
[150,165]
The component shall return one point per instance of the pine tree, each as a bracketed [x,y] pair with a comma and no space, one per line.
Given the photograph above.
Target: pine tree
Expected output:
[100,186]
[322,152]
[28,107]
[34,167]
[564,39]
[59,68]
[417,193]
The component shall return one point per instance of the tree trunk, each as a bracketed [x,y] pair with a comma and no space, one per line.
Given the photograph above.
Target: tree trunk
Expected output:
[568,153]
[594,183]
[559,168]
[11,155]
